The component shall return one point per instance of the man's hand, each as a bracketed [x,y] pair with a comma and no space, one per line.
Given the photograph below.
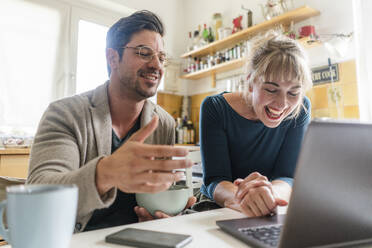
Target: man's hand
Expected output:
[140,168]
[256,196]
[144,215]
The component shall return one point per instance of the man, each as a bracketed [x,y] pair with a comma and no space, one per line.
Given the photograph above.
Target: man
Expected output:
[101,140]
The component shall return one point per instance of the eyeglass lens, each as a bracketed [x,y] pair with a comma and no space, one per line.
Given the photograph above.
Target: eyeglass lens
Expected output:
[148,54]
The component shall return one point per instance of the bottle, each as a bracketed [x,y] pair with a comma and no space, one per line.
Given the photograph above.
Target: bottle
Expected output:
[217,23]
[238,51]
[191,130]
[179,131]
[185,66]
[210,35]
[190,43]
[176,131]
[195,40]
[209,61]
[196,64]
[201,41]
[185,132]
[249,18]
[205,33]
[190,65]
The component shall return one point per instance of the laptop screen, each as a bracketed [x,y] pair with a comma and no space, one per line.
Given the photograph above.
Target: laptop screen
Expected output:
[331,201]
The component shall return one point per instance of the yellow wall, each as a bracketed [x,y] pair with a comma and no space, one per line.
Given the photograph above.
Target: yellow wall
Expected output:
[171,103]
[196,101]
[323,97]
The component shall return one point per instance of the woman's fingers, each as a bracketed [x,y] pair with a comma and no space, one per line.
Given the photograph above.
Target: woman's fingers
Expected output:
[245,208]
[244,187]
[255,176]
[238,181]
[250,206]
[259,200]
[263,205]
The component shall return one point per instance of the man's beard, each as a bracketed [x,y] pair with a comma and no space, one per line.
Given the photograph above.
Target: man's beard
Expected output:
[134,86]
[144,93]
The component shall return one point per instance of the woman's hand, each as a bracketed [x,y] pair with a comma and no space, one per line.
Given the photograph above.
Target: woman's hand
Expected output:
[256,196]
[144,215]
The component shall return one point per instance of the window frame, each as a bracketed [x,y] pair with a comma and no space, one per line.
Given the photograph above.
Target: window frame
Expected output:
[89,15]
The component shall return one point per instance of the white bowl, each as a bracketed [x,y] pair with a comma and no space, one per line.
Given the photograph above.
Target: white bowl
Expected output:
[171,201]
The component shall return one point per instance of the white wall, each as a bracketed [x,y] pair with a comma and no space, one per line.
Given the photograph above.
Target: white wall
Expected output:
[335,17]
[182,16]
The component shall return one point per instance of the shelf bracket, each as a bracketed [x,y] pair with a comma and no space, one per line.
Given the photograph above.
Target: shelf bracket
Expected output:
[213,80]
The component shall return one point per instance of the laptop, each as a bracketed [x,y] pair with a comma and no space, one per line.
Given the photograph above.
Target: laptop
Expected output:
[331,201]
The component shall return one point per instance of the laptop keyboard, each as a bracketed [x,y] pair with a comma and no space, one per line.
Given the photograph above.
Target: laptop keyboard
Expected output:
[269,235]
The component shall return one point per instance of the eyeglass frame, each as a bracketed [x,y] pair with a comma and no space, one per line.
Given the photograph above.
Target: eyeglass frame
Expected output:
[164,63]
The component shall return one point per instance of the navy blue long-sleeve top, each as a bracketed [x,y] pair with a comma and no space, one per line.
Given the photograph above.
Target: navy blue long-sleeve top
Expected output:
[233,147]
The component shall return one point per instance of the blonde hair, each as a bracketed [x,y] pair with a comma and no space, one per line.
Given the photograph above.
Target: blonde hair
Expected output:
[274,56]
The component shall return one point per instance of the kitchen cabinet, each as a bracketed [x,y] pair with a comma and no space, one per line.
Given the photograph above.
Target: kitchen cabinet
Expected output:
[295,16]
[14,162]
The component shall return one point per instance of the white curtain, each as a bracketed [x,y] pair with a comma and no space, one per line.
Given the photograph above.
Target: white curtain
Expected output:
[363,38]
[30,35]
[38,55]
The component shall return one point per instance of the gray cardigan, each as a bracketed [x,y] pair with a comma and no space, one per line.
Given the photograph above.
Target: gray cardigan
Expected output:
[73,135]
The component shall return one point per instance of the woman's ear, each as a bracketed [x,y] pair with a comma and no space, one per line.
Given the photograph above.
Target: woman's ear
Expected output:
[250,87]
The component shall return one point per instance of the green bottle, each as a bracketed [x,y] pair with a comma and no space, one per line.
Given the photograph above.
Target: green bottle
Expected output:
[205,33]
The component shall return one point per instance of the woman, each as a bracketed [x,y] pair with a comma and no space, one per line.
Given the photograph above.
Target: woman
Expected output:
[250,140]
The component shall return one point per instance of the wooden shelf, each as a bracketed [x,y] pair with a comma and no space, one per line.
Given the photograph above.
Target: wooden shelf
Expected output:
[237,63]
[296,15]
[309,43]
[226,66]
[285,19]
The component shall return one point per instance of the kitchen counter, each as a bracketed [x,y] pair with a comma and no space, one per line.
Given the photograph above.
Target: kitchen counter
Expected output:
[14,162]
[15,150]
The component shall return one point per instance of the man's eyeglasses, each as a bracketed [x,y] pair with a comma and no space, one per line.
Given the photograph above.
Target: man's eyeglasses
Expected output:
[147,54]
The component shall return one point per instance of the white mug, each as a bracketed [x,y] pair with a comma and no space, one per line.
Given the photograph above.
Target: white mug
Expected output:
[195,157]
[39,216]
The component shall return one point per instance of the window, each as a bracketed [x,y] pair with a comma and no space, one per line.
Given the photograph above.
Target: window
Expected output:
[29,37]
[49,49]
[91,59]
[363,36]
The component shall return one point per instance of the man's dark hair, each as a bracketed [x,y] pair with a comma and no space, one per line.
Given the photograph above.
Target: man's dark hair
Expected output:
[121,32]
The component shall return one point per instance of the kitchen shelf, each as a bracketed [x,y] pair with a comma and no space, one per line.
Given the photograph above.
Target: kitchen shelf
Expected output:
[226,66]
[237,63]
[285,19]
[307,42]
